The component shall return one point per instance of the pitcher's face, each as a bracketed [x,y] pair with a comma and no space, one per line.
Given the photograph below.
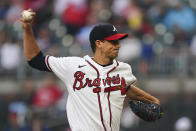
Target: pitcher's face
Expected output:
[110,48]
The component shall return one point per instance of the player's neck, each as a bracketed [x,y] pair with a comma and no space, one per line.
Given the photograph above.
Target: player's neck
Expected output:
[102,60]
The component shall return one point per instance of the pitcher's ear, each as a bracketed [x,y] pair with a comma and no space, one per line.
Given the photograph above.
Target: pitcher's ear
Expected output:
[98,43]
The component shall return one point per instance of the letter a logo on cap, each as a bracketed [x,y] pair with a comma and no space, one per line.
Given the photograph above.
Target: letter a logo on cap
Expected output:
[114,28]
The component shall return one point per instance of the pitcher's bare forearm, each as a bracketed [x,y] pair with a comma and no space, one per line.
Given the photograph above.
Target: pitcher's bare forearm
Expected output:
[31,48]
[135,93]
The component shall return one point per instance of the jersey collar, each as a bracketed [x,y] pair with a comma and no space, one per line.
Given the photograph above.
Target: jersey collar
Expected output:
[88,58]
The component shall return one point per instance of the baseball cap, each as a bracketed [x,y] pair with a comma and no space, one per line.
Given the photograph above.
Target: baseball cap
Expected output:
[105,32]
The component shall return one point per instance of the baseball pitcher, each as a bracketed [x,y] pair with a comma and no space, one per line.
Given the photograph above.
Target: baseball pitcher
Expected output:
[97,85]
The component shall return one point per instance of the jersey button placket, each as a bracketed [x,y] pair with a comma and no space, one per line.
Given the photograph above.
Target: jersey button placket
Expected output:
[104,102]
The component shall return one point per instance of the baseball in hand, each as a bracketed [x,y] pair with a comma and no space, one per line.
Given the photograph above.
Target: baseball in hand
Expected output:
[27,15]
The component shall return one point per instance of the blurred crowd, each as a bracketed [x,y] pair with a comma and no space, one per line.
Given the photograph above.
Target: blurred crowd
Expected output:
[35,107]
[161,43]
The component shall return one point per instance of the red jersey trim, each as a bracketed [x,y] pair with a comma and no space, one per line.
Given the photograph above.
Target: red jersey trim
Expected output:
[47,63]
[109,94]
[100,108]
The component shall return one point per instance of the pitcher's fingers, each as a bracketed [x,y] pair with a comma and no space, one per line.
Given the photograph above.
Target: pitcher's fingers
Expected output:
[21,19]
[33,13]
[30,10]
